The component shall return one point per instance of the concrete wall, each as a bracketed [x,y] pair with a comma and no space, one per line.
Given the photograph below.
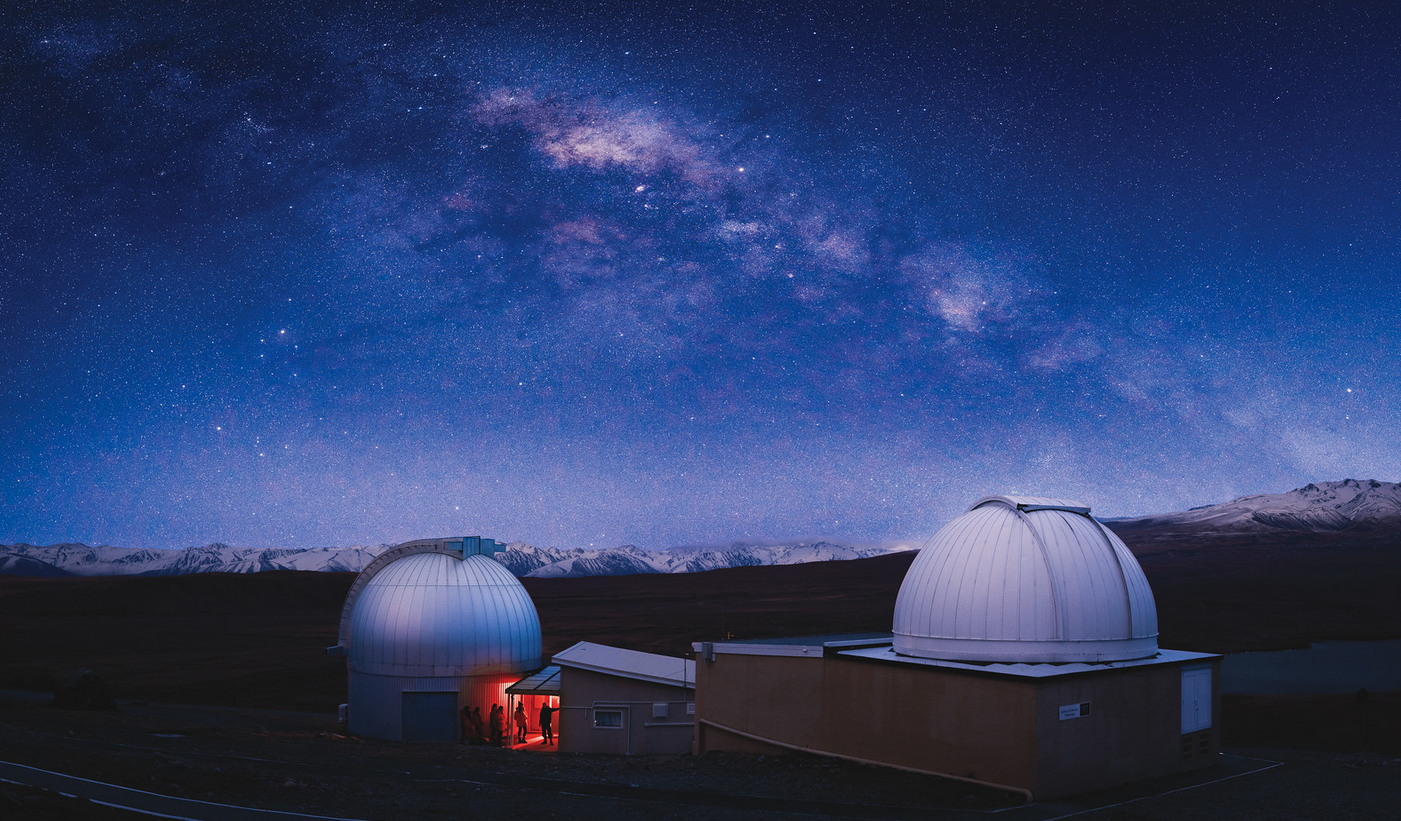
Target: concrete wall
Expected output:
[997,729]
[583,692]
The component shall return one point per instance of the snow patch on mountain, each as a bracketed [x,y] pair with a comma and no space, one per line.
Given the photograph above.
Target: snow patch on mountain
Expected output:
[105,560]
[520,558]
[1322,507]
[630,559]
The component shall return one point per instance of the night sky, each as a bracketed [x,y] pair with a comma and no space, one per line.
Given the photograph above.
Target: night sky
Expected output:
[592,274]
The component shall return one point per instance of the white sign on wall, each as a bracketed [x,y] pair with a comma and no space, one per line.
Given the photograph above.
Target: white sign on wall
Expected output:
[1069,711]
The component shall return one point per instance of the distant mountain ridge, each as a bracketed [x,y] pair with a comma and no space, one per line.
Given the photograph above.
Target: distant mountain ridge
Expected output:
[1349,505]
[520,558]
[527,560]
[105,560]
[1317,508]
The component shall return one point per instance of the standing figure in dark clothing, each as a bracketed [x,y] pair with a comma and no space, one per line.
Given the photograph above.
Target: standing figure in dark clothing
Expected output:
[547,722]
[464,724]
[522,722]
[498,724]
[478,726]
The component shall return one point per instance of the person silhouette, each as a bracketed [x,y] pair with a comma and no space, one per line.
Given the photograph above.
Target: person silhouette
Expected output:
[522,722]
[497,722]
[547,723]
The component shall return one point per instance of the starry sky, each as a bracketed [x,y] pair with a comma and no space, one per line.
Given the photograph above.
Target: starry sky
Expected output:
[285,274]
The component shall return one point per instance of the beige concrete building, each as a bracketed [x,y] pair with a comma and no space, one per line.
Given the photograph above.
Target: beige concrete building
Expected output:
[1024,655]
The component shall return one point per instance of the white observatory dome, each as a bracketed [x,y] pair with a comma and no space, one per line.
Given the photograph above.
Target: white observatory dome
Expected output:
[436,614]
[1020,579]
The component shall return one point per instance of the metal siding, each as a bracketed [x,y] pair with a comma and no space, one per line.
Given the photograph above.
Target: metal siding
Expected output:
[434,622]
[1034,587]
[1144,607]
[1049,578]
[433,614]
[376,702]
[915,586]
[1023,568]
[958,588]
[1081,575]
[991,611]
[1104,611]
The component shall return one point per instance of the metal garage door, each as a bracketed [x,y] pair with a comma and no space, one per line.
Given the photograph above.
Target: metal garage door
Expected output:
[430,717]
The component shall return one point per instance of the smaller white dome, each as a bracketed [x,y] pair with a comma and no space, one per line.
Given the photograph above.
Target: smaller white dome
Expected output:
[437,614]
[1021,579]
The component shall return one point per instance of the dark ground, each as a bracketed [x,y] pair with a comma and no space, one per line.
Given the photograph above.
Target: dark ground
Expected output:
[257,642]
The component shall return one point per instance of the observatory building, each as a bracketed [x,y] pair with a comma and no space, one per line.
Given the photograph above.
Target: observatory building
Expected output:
[430,627]
[1024,655]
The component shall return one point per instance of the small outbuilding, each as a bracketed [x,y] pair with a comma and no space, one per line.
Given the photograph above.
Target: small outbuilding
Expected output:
[614,700]
[431,627]
[1024,655]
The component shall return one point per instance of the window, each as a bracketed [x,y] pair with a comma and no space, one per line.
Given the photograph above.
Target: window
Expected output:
[608,718]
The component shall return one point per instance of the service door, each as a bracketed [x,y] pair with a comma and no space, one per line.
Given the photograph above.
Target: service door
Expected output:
[1196,698]
[430,717]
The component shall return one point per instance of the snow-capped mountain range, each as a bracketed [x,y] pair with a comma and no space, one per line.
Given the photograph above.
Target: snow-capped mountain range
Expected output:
[1326,506]
[105,560]
[520,558]
[1323,507]
[543,562]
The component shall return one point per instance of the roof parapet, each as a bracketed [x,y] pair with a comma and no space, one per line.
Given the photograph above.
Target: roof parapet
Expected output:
[462,545]
[1029,503]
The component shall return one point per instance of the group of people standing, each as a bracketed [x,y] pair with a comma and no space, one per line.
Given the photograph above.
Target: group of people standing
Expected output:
[493,730]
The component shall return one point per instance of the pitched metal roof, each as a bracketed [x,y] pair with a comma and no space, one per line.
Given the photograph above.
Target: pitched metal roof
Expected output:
[616,661]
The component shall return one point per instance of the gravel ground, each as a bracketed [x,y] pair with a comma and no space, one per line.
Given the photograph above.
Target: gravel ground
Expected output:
[302,762]
[1309,786]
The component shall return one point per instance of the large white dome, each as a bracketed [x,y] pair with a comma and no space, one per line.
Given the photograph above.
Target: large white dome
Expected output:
[1020,579]
[438,614]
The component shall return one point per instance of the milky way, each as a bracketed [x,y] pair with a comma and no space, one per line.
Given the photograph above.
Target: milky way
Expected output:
[611,273]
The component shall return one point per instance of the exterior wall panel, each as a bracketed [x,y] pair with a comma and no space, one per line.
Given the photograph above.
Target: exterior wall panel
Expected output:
[583,691]
[923,719]
[376,701]
[999,729]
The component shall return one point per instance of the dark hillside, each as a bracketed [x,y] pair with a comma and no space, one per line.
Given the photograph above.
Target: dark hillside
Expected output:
[260,639]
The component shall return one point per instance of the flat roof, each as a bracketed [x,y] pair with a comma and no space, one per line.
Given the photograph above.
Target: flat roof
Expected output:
[811,646]
[1043,670]
[634,664]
